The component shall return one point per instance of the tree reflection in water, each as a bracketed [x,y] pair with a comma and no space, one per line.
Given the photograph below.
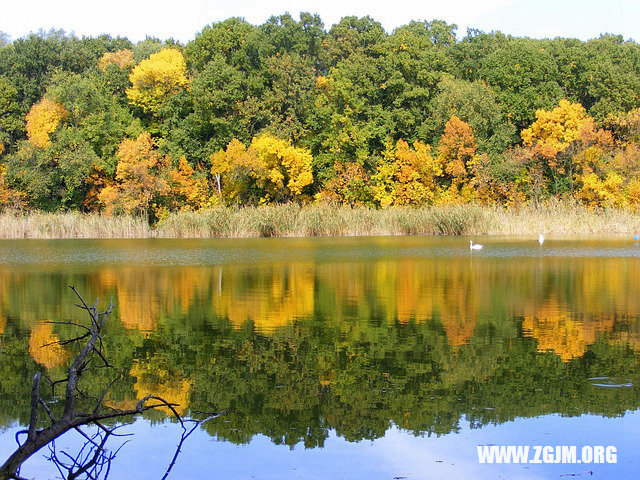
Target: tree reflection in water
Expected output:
[295,350]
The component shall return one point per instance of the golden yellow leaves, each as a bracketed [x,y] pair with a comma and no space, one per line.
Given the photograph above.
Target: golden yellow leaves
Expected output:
[42,120]
[287,296]
[154,79]
[121,58]
[239,168]
[188,191]
[147,181]
[605,192]
[323,83]
[554,130]
[270,167]
[457,154]
[137,181]
[159,382]
[43,347]
[287,169]
[600,173]
[407,176]
[562,333]
[633,193]
[457,146]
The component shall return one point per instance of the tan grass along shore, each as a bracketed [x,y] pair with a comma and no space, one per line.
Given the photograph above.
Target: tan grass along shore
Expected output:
[553,218]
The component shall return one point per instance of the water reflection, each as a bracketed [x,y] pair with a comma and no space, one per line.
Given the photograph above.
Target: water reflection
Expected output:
[353,343]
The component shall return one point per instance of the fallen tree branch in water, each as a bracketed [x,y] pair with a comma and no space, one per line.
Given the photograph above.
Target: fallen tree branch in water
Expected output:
[93,460]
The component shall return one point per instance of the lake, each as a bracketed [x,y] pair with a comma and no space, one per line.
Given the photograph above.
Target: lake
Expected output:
[340,358]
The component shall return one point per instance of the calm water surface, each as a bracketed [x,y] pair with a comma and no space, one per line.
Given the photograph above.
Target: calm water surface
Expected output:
[341,358]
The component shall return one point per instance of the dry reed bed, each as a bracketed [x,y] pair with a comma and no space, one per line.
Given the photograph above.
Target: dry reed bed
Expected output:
[554,218]
[71,225]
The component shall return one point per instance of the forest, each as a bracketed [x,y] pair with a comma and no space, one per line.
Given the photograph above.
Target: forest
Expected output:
[293,111]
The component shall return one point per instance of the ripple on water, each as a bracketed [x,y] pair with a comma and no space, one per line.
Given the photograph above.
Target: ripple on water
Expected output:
[611,382]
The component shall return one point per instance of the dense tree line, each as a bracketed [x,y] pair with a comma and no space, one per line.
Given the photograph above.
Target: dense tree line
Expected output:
[293,111]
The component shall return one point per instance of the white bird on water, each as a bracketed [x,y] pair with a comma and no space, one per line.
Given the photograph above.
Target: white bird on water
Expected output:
[474,247]
[541,239]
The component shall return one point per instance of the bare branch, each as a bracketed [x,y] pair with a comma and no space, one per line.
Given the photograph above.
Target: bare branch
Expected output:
[73,324]
[93,460]
[46,408]
[35,397]
[18,433]
[104,394]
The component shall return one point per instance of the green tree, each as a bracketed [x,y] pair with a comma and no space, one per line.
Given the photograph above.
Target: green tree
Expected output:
[96,115]
[352,36]
[476,104]
[235,39]
[289,95]
[205,119]
[525,78]
[12,124]
[53,177]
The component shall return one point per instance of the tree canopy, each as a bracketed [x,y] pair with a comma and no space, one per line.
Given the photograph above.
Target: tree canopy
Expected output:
[547,117]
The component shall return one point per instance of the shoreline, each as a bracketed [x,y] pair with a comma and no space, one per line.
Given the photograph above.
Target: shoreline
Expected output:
[291,220]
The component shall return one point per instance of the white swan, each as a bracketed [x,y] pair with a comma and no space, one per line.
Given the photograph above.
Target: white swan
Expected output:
[541,239]
[474,247]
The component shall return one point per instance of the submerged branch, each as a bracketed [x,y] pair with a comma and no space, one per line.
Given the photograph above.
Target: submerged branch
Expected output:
[98,460]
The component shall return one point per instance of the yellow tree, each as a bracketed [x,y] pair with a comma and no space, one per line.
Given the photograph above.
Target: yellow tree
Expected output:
[270,170]
[406,176]
[572,149]
[284,170]
[416,174]
[44,346]
[121,58]
[604,192]
[457,149]
[138,177]
[154,79]
[42,120]
[152,379]
[235,171]
[188,189]
[554,130]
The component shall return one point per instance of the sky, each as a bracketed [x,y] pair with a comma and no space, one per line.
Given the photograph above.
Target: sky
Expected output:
[183,19]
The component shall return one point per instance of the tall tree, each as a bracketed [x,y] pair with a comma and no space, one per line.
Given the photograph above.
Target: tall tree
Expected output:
[154,79]
[138,177]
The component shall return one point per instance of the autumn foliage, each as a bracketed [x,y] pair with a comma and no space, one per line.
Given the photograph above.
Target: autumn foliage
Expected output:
[188,188]
[407,176]
[44,347]
[290,111]
[42,120]
[554,130]
[154,79]
[121,59]
[138,179]
[270,170]
[457,149]
[350,186]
